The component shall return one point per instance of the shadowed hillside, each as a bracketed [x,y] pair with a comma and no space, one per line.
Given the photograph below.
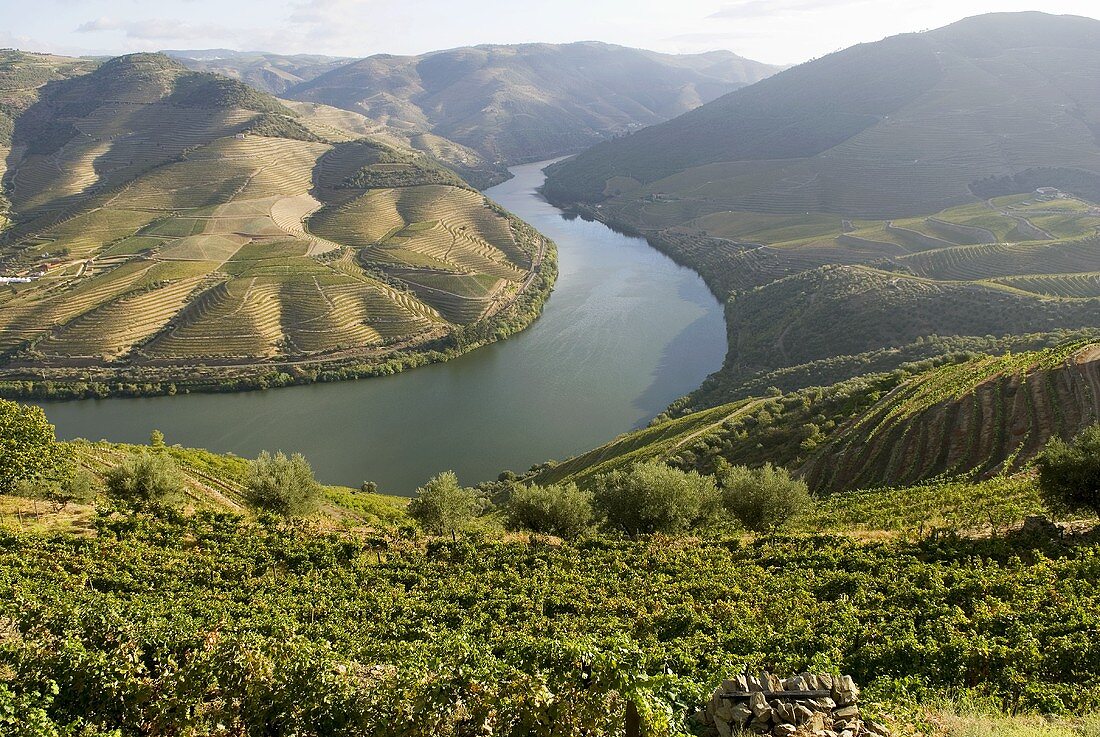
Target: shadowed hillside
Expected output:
[896,128]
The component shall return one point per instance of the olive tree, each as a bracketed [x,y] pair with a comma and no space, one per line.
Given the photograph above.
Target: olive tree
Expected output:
[29,450]
[282,484]
[443,506]
[1069,473]
[653,497]
[145,477]
[561,510]
[762,499]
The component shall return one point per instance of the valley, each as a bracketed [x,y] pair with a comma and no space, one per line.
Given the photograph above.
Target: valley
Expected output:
[680,370]
[625,333]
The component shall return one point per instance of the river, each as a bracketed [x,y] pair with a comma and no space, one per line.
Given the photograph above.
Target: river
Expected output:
[626,332]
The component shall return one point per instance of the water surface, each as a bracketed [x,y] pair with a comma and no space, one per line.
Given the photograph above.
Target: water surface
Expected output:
[626,332]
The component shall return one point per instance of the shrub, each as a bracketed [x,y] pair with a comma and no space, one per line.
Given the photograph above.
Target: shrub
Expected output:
[79,488]
[1069,473]
[562,510]
[653,497]
[145,477]
[28,448]
[442,505]
[283,485]
[764,498]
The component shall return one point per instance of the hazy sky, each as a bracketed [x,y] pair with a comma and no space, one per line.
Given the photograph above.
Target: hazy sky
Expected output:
[779,31]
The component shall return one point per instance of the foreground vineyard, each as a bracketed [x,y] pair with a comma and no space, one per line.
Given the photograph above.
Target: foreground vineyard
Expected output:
[179,230]
[162,624]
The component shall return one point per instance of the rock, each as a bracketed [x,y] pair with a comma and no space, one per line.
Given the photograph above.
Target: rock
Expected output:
[784,730]
[823,704]
[876,728]
[742,714]
[723,727]
[816,724]
[847,733]
[846,712]
[758,704]
[724,712]
[785,713]
[767,716]
[802,714]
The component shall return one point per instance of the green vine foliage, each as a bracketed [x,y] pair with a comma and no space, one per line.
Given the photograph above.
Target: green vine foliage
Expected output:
[167,624]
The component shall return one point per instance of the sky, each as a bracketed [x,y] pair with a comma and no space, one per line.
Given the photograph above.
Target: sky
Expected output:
[774,31]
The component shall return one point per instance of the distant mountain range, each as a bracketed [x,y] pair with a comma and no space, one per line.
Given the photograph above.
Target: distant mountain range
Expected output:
[274,73]
[511,104]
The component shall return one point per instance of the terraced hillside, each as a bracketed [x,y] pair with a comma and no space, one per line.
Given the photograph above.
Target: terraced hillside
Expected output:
[22,76]
[532,101]
[978,417]
[160,220]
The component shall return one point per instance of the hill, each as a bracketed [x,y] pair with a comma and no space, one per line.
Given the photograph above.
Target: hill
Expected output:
[181,228]
[272,73]
[897,128]
[971,418]
[951,175]
[533,101]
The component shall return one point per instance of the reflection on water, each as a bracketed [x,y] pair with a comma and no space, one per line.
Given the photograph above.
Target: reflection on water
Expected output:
[626,332]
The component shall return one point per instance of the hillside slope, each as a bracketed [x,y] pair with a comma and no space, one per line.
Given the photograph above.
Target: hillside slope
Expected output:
[175,226]
[976,418]
[532,101]
[895,128]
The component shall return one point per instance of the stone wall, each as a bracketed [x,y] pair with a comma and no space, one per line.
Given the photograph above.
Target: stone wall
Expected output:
[808,704]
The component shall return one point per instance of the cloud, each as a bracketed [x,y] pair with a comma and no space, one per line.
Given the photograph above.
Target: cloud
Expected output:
[158,29]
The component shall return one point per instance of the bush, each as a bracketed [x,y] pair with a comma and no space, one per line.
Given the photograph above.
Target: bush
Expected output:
[28,448]
[562,510]
[1069,473]
[283,485]
[763,499]
[79,488]
[145,477]
[443,506]
[653,497]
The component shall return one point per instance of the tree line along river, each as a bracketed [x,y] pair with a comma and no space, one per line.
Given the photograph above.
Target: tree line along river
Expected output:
[626,332]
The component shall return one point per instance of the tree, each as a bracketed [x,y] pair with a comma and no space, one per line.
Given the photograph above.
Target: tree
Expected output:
[79,488]
[28,447]
[145,477]
[156,440]
[443,506]
[1069,473]
[369,487]
[561,510]
[653,497]
[762,499]
[283,485]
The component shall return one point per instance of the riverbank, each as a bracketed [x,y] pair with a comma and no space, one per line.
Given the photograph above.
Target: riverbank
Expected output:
[44,383]
[626,332]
